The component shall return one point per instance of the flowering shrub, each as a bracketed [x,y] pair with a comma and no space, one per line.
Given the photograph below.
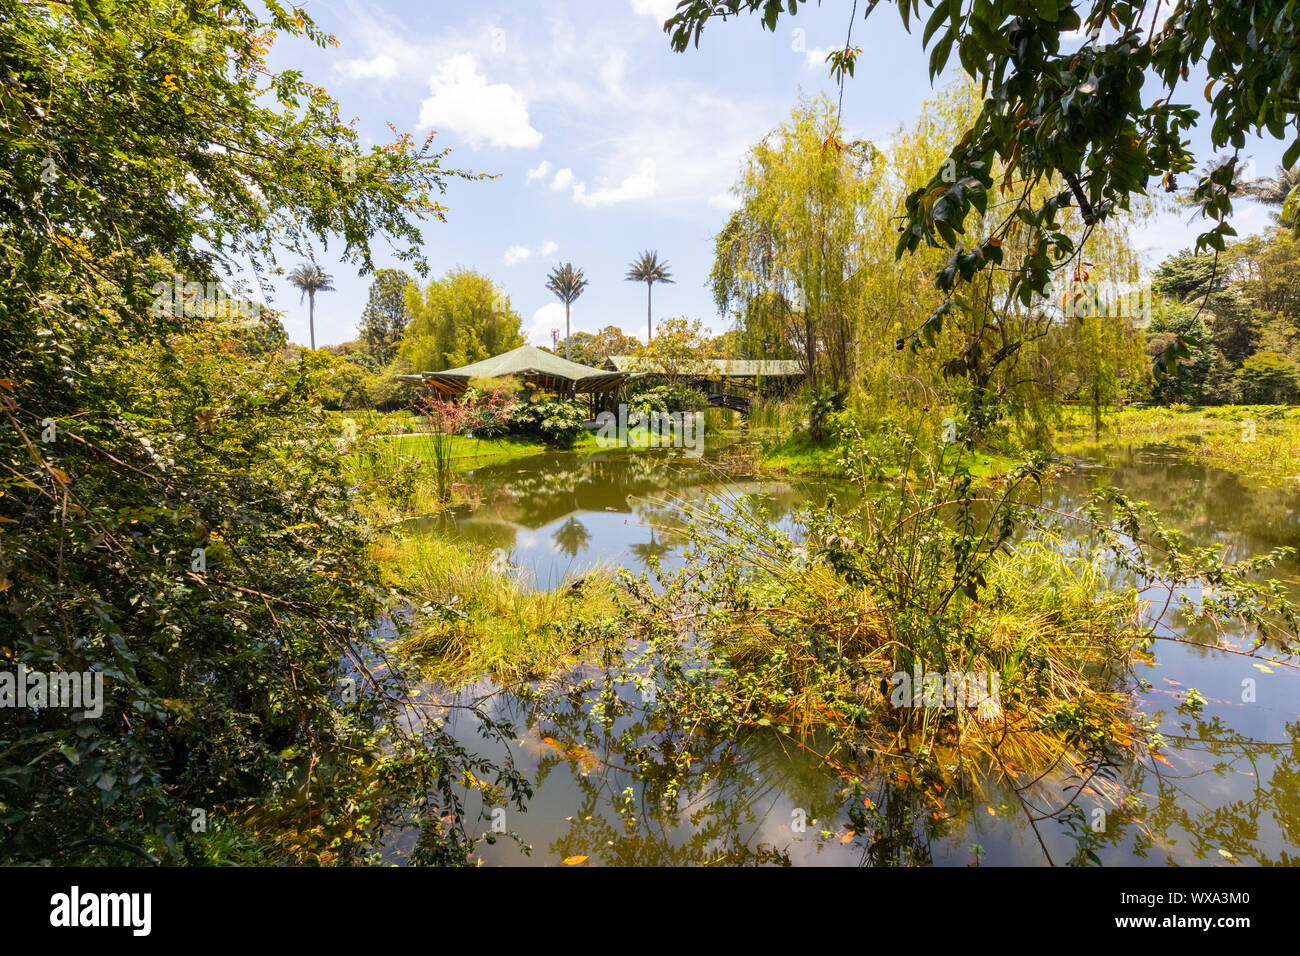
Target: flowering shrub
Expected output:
[556,423]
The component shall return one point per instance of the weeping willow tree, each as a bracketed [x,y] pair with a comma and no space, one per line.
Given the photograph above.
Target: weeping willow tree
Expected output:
[995,354]
[787,257]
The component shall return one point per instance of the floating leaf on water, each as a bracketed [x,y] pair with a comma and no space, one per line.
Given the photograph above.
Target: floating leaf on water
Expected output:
[574,860]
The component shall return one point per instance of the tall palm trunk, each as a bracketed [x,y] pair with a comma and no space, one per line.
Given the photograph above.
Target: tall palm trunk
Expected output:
[649,330]
[566,332]
[311,318]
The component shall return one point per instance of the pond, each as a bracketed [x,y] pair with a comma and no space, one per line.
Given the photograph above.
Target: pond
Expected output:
[629,791]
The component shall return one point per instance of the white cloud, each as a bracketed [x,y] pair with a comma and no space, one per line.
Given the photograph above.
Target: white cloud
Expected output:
[724,201]
[562,179]
[661,10]
[381,67]
[549,316]
[695,135]
[516,254]
[462,101]
[641,184]
[815,58]
[612,70]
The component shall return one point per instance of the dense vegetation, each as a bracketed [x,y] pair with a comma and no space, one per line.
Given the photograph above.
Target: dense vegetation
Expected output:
[174,508]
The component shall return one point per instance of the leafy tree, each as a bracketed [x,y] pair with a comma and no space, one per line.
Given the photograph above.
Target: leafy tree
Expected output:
[648,268]
[177,515]
[593,348]
[795,243]
[461,318]
[1176,322]
[567,284]
[342,385]
[310,279]
[1188,276]
[385,391]
[678,349]
[1270,378]
[386,316]
[1275,191]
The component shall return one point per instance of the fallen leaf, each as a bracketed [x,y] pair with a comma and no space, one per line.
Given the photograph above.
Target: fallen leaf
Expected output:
[573,860]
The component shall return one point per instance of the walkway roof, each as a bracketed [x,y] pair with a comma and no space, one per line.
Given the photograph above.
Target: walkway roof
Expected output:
[719,368]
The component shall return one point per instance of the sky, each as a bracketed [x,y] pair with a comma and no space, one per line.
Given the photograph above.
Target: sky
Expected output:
[602,141]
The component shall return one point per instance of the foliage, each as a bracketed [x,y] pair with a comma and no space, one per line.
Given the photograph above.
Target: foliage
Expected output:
[475,616]
[670,397]
[678,350]
[458,319]
[588,348]
[462,415]
[1231,310]
[386,316]
[787,256]
[1261,441]
[555,422]
[343,384]
[804,635]
[1270,378]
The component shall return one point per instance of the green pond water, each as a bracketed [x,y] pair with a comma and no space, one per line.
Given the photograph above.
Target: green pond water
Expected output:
[610,791]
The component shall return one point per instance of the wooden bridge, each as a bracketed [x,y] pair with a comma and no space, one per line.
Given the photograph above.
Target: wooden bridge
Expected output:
[737,403]
[729,383]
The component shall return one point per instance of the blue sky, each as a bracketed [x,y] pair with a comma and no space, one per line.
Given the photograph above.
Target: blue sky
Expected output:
[604,142]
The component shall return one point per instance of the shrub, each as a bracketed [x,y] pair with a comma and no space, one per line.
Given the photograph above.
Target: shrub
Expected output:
[557,423]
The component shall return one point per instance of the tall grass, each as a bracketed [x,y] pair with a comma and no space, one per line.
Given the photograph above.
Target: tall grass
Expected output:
[778,414]
[475,617]
[1258,440]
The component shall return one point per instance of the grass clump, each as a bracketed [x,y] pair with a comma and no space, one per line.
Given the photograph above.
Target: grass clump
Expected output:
[475,617]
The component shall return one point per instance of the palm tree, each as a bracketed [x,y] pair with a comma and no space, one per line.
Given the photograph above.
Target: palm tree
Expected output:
[567,283]
[649,269]
[311,279]
[1274,190]
[1265,190]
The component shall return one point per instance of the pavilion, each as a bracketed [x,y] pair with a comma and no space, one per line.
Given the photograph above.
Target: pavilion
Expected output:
[535,366]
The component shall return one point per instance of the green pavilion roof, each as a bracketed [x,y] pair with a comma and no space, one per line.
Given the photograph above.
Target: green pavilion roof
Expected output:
[527,362]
